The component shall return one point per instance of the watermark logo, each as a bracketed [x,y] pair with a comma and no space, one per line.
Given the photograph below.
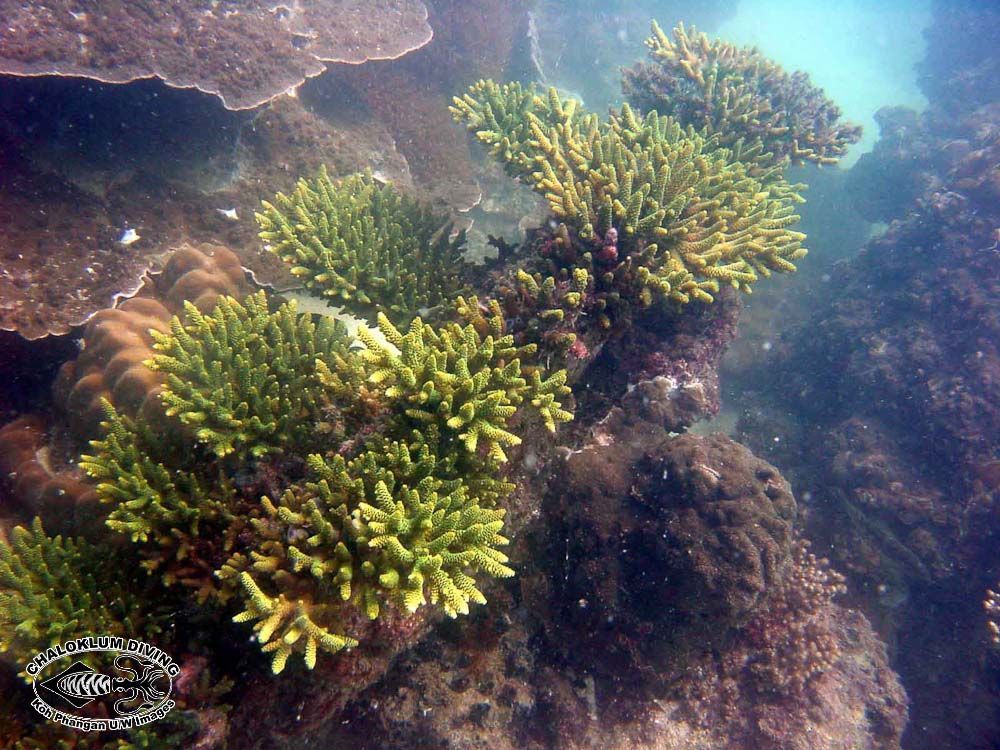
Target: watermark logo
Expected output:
[102,683]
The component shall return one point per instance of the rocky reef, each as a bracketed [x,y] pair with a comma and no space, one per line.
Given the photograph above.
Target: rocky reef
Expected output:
[887,409]
[463,510]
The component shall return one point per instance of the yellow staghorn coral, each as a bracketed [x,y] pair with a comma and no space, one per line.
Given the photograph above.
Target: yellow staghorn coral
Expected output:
[294,619]
[402,439]
[463,382]
[739,96]
[688,214]
[397,524]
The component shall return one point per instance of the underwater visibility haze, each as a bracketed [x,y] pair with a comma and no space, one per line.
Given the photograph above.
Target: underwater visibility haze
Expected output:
[509,374]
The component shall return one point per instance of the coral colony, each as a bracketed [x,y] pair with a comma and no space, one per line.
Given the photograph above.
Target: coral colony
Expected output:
[740,97]
[267,474]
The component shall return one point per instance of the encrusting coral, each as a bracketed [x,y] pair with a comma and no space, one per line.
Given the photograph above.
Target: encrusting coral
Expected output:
[364,246]
[659,210]
[794,640]
[739,97]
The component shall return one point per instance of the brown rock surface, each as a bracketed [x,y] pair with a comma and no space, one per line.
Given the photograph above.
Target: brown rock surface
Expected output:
[244,51]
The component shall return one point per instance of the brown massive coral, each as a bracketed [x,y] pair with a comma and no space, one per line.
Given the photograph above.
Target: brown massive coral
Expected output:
[588,652]
[245,51]
[32,482]
[38,475]
[738,95]
[685,538]
[117,342]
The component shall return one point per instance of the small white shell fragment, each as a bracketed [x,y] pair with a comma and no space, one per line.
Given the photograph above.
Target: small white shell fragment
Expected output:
[229,213]
[128,237]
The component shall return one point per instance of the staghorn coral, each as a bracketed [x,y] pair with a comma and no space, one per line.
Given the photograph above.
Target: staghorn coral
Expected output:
[169,506]
[549,309]
[407,521]
[667,213]
[463,382]
[365,246]
[243,379]
[740,97]
[54,589]
[391,525]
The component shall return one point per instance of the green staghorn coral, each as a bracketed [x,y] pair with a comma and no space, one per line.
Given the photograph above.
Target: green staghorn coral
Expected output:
[740,97]
[365,246]
[245,379]
[54,589]
[462,381]
[162,497]
[409,520]
[395,524]
[686,215]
